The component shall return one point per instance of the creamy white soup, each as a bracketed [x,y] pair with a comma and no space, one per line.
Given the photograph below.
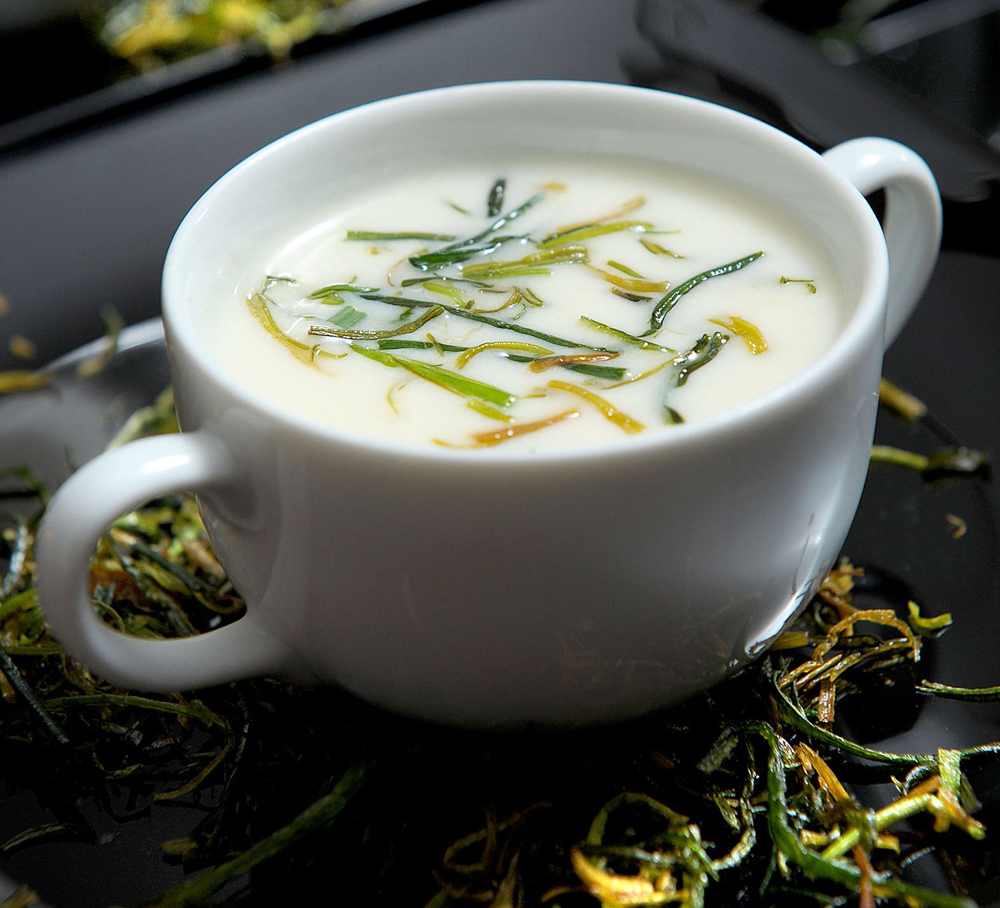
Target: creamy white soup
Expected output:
[533,304]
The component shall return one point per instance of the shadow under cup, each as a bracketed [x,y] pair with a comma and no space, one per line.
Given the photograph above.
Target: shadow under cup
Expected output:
[491,588]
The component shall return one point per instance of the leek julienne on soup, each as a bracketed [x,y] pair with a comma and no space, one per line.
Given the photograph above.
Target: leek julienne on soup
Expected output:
[573,301]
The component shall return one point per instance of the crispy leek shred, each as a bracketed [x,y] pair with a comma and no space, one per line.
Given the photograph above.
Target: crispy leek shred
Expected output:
[533,263]
[114,325]
[515,430]
[461,272]
[258,307]
[466,355]
[632,284]
[627,207]
[901,402]
[657,249]
[611,413]
[329,330]
[747,331]
[807,282]
[589,231]
[749,794]
[664,305]
[939,466]
[565,359]
[16,380]
[151,33]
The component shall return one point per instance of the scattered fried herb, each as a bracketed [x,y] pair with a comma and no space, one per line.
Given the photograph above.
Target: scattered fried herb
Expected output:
[809,282]
[747,331]
[21,347]
[901,402]
[749,794]
[151,33]
[671,299]
[627,207]
[114,325]
[257,304]
[703,352]
[624,269]
[387,236]
[331,291]
[940,465]
[484,319]
[465,272]
[657,249]
[15,380]
[625,336]
[494,202]
[589,231]
[343,327]
[568,359]
[610,412]
[514,430]
[630,296]
[533,263]
[456,251]
[466,355]
[450,381]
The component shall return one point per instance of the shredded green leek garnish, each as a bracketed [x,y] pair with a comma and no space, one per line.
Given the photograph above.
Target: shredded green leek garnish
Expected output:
[625,336]
[346,318]
[334,289]
[657,249]
[627,208]
[609,411]
[258,306]
[461,274]
[809,282]
[466,355]
[23,380]
[450,381]
[494,201]
[348,332]
[752,792]
[625,269]
[565,359]
[456,250]
[703,352]
[671,299]
[374,235]
[447,289]
[590,231]
[489,439]
[747,331]
[485,319]
[631,284]
[534,263]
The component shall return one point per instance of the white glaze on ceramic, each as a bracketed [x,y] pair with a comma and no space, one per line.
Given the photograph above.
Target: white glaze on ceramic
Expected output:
[495,589]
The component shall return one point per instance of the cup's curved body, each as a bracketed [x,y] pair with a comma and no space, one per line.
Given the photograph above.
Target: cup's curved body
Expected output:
[485,588]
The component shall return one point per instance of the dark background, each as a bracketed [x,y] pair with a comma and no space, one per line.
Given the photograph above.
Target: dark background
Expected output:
[98,165]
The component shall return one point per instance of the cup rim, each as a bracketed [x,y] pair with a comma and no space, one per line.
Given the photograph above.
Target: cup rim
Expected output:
[796,391]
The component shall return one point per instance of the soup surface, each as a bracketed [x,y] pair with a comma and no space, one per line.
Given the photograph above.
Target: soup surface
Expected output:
[531,304]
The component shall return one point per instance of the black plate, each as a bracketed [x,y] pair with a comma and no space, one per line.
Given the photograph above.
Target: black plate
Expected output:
[905,537]
[87,219]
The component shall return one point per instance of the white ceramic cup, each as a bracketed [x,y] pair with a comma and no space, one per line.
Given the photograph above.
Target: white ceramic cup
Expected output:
[487,587]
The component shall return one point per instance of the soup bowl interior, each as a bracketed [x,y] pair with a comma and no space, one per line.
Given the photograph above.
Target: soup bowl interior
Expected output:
[582,585]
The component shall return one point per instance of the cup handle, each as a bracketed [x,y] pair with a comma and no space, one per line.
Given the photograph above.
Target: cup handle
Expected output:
[79,514]
[912,221]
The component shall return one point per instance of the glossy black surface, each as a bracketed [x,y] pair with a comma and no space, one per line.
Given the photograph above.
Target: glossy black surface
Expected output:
[87,211]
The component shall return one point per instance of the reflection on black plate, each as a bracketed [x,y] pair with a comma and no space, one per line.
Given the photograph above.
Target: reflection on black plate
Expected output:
[107,846]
